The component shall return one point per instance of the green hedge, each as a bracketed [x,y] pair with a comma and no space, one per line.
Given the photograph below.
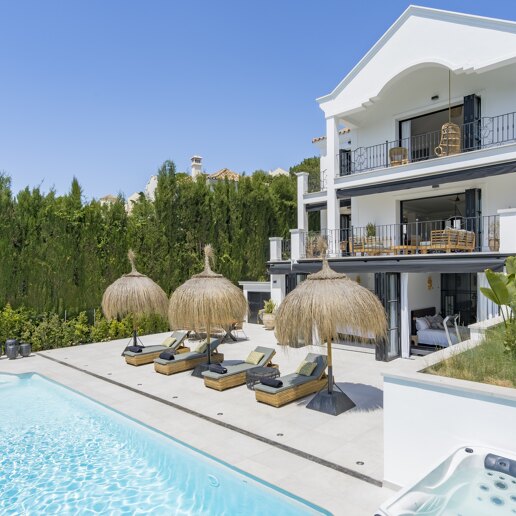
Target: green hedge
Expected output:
[49,331]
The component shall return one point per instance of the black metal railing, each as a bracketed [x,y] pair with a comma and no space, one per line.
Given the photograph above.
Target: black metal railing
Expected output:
[479,134]
[456,234]
[285,249]
[317,183]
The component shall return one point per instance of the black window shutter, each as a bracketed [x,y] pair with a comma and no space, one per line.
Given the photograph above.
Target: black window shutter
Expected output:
[471,138]
[345,162]
[473,214]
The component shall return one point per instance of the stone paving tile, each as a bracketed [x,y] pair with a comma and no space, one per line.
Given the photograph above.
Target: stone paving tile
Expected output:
[354,436]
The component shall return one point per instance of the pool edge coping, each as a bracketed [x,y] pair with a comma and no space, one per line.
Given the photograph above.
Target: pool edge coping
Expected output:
[289,449]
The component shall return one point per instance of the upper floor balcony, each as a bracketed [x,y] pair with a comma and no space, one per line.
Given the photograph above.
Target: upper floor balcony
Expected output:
[451,139]
[463,235]
[317,183]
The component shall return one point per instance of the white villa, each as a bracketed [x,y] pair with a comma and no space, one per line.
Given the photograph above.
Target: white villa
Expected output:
[417,190]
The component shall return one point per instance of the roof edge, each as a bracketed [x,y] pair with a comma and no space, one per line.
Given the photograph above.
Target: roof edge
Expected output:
[424,12]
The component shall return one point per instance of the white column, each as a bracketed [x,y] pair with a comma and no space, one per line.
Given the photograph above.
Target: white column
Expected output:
[246,295]
[324,219]
[302,188]
[332,203]
[404,316]
[297,244]
[278,286]
[332,160]
[275,248]
[507,230]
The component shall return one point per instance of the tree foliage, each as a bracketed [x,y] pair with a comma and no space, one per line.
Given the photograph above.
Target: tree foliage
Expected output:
[59,253]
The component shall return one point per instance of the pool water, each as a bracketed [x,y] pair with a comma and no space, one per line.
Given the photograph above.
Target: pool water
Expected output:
[63,453]
[460,486]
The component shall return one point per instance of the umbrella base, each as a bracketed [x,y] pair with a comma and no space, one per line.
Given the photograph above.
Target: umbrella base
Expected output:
[199,369]
[333,403]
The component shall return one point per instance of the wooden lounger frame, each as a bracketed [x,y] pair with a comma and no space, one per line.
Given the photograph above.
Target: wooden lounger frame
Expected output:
[148,358]
[233,380]
[179,366]
[281,398]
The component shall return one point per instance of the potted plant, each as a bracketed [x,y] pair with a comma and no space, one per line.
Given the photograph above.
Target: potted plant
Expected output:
[370,230]
[494,236]
[269,317]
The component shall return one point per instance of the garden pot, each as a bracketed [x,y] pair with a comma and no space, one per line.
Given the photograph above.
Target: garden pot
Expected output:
[269,321]
[25,349]
[494,244]
[12,348]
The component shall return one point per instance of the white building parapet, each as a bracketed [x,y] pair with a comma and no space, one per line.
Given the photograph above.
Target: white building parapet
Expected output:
[507,230]
[296,244]
[275,246]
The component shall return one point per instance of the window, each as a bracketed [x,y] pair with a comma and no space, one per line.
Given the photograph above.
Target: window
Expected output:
[422,134]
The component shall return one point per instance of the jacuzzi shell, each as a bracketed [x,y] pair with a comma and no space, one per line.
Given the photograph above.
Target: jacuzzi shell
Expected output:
[466,457]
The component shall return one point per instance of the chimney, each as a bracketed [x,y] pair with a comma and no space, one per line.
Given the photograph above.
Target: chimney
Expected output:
[196,166]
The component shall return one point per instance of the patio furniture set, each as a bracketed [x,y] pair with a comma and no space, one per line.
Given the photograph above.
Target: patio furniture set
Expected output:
[257,371]
[447,240]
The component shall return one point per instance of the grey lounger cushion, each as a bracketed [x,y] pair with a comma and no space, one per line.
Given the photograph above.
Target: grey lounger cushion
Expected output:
[190,355]
[145,351]
[180,337]
[295,379]
[244,366]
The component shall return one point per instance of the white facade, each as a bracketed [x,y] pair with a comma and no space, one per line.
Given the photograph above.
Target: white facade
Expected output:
[391,185]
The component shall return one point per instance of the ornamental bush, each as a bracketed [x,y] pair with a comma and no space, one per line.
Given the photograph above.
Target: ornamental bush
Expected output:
[49,331]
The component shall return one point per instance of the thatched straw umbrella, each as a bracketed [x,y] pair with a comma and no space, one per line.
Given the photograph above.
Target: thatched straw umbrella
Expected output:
[205,300]
[134,294]
[328,303]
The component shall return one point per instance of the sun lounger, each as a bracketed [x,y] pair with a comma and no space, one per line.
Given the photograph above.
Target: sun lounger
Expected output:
[236,374]
[295,385]
[188,361]
[149,353]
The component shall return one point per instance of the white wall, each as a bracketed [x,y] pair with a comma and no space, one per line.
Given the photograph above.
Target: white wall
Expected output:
[420,38]
[424,423]
[278,288]
[498,192]
[418,294]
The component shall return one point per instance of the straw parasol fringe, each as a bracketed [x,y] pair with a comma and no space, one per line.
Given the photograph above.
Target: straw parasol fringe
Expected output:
[205,300]
[326,303]
[134,294]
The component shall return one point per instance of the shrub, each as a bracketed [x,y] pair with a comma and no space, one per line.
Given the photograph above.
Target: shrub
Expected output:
[49,331]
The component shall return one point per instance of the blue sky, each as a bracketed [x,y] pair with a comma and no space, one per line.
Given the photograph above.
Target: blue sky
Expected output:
[106,90]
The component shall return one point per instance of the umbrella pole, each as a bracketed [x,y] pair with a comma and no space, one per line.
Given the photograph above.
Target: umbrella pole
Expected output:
[327,401]
[208,342]
[330,367]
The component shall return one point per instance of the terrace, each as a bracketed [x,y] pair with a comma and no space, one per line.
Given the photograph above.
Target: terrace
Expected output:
[457,235]
[287,446]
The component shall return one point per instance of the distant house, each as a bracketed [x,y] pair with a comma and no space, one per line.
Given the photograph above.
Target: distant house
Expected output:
[149,193]
[211,179]
[279,172]
[108,199]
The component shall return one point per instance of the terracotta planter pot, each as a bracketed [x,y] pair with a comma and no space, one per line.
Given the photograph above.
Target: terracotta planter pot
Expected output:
[269,320]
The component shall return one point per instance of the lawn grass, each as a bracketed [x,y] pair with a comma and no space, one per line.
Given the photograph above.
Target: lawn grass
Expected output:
[486,363]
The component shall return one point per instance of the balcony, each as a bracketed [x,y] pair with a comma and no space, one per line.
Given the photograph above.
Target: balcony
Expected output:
[480,134]
[317,183]
[456,235]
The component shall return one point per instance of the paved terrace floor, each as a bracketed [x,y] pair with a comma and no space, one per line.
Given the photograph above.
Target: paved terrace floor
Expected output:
[335,462]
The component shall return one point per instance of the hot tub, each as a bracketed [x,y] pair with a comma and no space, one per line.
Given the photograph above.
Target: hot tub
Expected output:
[474,481]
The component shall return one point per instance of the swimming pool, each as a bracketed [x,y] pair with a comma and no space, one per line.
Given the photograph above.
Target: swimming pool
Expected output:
[61,452]
[474,481]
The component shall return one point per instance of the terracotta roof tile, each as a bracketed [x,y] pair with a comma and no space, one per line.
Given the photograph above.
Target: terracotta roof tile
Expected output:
[321,138]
